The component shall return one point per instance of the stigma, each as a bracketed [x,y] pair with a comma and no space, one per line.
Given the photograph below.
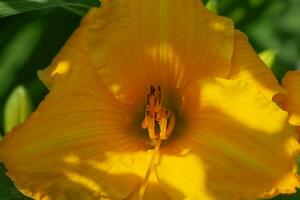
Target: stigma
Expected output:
[158,120]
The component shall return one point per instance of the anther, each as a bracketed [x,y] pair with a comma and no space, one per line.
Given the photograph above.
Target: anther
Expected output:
[159,120]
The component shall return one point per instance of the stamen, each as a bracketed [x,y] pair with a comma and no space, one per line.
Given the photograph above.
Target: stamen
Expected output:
[160,123]
[159,120]
[149,170]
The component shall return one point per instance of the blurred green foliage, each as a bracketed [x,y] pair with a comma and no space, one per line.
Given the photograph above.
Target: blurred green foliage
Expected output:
[269,57]
[269,24]
[29,41]
[11,7]
[17,108]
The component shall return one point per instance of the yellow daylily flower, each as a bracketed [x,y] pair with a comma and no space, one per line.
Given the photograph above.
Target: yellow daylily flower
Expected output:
[158,100]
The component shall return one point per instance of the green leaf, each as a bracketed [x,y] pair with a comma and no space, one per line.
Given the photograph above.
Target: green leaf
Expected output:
[16,53]
[75,10]
[269,57]
[212,5]
[17,108]
[12,7]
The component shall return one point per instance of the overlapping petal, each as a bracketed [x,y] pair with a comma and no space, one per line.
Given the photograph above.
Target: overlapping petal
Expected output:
[290,99]
[78,144]
[137,43]
[238,142]
[247,66]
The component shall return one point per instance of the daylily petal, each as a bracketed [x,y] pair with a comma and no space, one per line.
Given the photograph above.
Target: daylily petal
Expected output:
[153,191]
[291,98]
[181,172]
[74,52]
[138,43]
[78,144]
[234,144]
[247,66]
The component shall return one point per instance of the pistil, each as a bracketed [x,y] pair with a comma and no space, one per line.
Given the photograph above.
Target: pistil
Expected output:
[160,123]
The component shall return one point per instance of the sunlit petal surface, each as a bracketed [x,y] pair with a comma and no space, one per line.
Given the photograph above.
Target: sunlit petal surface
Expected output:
[247,66]
[228,136]
[79,143]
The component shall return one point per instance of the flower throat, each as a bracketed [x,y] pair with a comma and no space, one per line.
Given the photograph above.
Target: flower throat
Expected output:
[159,120]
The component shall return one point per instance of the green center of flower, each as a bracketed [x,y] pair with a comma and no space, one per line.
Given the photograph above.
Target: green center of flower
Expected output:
[158,120]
